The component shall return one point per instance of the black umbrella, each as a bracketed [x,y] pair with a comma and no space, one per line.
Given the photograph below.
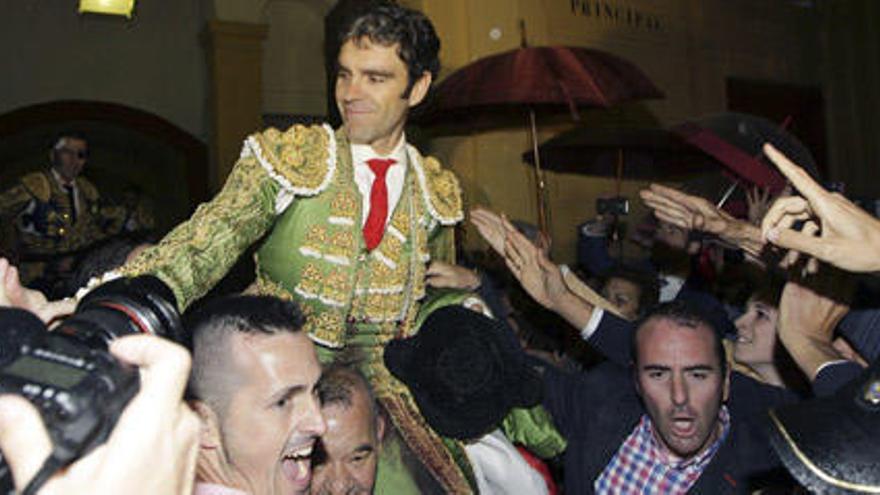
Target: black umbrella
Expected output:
[632,153]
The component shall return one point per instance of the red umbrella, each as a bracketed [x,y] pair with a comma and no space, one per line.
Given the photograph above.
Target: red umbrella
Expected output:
[537,78]
[540,76]
[736,140]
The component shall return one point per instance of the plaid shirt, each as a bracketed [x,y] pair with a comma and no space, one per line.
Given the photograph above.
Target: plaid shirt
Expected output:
[640,465]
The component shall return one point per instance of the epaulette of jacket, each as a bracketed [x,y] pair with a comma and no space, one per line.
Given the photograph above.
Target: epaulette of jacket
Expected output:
[89,191]
[301,159]
[440,187]
[37,184]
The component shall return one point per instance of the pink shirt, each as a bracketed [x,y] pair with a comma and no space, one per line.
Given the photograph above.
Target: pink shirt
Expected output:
[213,489]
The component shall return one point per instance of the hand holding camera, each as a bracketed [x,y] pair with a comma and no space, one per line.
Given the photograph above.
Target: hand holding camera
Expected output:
[152,448]
[81,379]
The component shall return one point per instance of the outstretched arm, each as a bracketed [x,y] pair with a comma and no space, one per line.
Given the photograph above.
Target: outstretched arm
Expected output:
[447,275]
[696,213]
[198,253]
[542,279]
[808,316]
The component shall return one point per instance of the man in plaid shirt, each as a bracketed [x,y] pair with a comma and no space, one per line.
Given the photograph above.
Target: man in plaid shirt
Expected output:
[662,426]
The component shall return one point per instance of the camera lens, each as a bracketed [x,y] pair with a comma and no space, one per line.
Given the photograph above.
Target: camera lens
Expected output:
[125,306]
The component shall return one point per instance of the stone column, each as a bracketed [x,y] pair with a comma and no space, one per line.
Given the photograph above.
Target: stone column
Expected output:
[235,59]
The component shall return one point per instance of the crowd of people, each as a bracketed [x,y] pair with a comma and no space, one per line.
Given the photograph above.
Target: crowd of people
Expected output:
[367,356]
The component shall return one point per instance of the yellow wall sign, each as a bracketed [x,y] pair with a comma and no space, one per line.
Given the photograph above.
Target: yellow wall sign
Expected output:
[616,12]
[110,7]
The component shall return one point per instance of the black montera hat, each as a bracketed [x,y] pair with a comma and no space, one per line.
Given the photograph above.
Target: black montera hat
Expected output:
[465,371]
[832,444]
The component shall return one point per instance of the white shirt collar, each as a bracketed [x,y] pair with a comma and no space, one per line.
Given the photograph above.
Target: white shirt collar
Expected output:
[670,286]
[60,180]
[360,153]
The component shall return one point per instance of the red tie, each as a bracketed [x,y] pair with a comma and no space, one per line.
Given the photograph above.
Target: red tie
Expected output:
[375,225]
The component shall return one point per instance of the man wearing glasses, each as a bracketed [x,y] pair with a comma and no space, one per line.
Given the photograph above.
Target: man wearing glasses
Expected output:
[53,214]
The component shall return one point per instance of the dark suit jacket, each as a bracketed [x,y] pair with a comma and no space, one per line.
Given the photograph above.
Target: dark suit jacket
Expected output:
[597,410]
[862,328]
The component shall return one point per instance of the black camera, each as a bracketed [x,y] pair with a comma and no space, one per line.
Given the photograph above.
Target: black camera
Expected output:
[79,388]
[612,206]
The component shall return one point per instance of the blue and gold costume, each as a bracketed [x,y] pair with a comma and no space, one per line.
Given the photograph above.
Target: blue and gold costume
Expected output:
[43,224]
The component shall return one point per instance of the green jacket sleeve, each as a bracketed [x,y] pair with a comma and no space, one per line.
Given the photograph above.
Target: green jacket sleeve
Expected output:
[194,256]
[533,428]
[442,244]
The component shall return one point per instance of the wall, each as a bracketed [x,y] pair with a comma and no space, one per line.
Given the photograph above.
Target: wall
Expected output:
[294,79]
[265,60]
[153,62]
[851,65]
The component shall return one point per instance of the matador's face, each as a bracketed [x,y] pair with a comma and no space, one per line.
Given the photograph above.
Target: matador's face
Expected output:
[69,157]
[371,94]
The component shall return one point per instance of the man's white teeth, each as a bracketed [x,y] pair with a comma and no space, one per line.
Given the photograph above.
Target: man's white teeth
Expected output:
[302,453]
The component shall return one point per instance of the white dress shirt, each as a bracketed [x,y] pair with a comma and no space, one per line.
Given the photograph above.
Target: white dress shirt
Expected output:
[670,286]
[500,469]
[364,176]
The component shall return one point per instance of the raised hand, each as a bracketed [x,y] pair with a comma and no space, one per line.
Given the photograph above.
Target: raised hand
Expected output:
[808,315]
[443,275]
[490,225]
[848,237]
[539,276]
[12,293]
[696,213]
[685,211]
[758,201]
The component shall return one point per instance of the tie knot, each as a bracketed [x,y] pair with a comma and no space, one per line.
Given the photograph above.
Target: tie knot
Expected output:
[379,166]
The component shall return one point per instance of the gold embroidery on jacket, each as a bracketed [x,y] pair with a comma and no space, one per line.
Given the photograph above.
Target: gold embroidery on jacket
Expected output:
[310,280]
[439,188]
[341,243]
[343,204]
[267,287]
[326,327]
[38,185]
[336,288]
[299,154]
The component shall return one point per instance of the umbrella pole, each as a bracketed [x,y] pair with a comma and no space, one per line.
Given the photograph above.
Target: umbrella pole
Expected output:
[619,180]
[539,174]
[727,194]
[617,236]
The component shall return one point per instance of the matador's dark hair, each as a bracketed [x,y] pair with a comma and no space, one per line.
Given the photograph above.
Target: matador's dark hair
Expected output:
[386,23]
